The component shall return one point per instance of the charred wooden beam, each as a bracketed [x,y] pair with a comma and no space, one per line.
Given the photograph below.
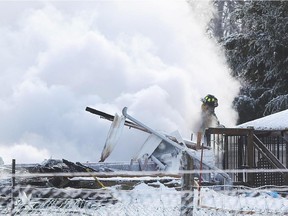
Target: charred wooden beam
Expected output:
[110,117]
[230,131]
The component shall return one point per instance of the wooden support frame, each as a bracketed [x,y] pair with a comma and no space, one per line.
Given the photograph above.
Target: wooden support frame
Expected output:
[249,150]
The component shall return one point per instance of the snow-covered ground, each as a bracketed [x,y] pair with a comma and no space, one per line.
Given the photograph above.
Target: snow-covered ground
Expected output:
[246,203]
[155,200]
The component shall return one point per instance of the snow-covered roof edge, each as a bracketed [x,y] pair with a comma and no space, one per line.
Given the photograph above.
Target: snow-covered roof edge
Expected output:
[276,121]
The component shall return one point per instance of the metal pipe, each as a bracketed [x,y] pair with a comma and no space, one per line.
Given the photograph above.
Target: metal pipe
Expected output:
[124,112]
[158,162]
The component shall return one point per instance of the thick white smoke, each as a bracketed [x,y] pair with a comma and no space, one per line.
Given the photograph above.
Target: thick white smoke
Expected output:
[57,58]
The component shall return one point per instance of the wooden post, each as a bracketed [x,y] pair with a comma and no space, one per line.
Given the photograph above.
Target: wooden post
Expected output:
[250,151]
[187,194]
[240,149]
[13,186]
[225,162]
[198,142]
[286,142]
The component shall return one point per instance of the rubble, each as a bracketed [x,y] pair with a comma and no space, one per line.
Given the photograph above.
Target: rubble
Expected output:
[159,152]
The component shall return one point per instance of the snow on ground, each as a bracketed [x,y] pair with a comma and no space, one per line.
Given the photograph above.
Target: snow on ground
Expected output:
[145,200]
[155,200]
[158,201]
[163,201]
[216,203]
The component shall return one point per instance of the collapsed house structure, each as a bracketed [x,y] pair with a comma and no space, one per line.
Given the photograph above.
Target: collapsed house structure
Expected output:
[261,144]
[230,157]
[164,150]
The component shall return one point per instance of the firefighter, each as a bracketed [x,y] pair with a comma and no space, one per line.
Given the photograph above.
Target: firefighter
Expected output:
[208,116]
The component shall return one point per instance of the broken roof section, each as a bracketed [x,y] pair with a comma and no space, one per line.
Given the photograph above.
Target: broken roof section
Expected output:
[164,150]
[276,121]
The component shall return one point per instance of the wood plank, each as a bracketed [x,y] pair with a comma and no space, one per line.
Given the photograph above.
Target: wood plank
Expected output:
[230,131]
[111,118]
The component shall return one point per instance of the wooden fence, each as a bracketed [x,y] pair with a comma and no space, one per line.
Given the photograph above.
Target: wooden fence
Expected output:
[245,150]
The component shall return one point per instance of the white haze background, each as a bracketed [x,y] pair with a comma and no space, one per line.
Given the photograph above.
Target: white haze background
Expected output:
[58,57]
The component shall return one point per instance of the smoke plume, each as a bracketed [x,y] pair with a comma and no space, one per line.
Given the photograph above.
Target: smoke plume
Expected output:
[59,57]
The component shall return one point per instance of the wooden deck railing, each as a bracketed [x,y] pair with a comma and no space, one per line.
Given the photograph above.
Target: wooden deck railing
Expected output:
[247,150]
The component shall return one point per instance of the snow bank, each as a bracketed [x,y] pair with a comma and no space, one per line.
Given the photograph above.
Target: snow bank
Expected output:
[217,203]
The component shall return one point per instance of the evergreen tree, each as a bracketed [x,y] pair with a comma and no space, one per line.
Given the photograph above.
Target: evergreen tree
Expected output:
[257,50]
[221,25]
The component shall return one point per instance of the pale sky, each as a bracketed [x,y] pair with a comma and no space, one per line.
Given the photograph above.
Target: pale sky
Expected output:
[58,57]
